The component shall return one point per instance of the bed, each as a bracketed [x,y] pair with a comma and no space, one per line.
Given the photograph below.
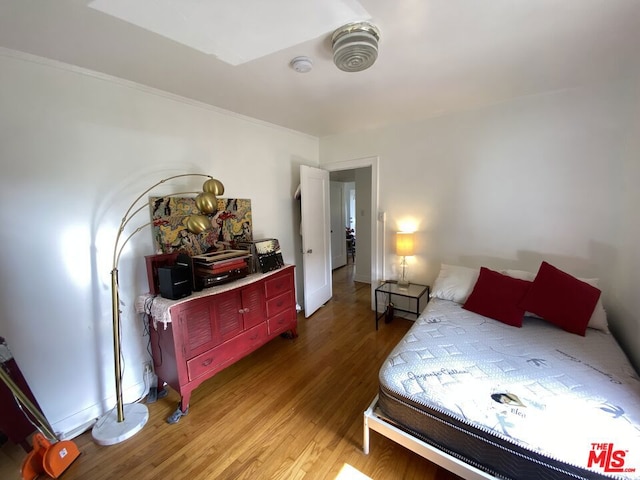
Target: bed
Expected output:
[487,399]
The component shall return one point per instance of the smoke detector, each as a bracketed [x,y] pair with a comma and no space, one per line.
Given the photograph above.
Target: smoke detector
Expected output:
[355,46]
[301,64]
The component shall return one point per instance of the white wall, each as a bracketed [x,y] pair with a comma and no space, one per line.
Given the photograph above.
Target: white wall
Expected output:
[549,177]
[624,301]
[76,148]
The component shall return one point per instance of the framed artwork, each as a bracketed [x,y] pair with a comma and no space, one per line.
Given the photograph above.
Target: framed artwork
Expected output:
[229,225]
[269,254]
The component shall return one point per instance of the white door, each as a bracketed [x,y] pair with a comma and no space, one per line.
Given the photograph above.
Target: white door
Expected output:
[316,240]
[338,224]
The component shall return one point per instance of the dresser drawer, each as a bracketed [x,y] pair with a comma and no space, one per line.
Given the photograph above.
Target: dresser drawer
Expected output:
[282,322]
[219,357]
[279,304]
[279,283]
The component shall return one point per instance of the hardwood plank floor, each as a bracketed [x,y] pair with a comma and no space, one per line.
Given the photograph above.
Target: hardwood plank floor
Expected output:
[291,410]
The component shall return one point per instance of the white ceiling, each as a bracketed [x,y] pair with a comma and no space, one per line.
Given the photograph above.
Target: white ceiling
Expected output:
[435,56]
[211,26]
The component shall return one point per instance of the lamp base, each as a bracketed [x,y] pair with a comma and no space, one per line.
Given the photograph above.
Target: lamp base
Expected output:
[108,431]
[403,281]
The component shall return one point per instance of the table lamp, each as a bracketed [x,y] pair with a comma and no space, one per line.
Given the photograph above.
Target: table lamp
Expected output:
[405,247]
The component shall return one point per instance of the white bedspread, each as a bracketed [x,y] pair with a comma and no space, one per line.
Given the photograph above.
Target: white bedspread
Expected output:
[568,397]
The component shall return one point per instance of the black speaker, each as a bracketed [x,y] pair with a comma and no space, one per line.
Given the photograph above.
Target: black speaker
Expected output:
[175,281]
[185,260]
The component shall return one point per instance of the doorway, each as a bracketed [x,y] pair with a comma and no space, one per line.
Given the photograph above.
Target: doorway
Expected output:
[360,206]
[343,220]
[370,234]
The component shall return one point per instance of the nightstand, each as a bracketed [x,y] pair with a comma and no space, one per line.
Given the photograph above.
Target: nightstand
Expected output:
[414,291]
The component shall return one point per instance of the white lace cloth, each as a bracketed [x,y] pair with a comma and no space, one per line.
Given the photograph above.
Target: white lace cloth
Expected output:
[5,353]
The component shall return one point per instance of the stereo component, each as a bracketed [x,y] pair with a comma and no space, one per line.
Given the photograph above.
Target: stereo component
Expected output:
[175,281]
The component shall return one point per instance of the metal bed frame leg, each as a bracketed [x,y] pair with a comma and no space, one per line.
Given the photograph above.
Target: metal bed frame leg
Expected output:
[368,413]
[374,422]
[365,436]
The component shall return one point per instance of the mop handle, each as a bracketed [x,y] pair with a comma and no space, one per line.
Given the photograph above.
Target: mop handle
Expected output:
[22,398]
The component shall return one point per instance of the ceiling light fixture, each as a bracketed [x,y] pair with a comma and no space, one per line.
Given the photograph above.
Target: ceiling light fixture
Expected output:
[302,64]
[355,46]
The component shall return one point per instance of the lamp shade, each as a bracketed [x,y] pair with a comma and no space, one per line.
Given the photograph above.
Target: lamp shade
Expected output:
[405,244]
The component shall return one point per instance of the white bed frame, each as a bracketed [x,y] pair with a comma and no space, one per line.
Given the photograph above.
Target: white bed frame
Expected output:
[376,422]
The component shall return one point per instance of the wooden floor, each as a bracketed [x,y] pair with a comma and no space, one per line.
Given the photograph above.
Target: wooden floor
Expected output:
[291,410]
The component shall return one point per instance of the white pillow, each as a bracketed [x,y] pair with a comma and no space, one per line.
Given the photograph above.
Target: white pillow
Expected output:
[598,320]
[455,283]
[520,274]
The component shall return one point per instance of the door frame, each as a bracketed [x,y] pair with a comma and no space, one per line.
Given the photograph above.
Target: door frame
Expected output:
[376,226]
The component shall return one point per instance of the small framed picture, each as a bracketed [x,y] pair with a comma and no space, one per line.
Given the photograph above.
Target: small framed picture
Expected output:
[269,254]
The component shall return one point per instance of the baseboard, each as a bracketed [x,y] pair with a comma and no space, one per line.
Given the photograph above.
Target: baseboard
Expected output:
[79,422]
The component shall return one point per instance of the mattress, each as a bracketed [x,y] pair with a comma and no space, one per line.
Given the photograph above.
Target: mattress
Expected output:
[522,403]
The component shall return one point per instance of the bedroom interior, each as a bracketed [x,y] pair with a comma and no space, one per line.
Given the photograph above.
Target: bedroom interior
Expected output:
[510,151]
[283,425]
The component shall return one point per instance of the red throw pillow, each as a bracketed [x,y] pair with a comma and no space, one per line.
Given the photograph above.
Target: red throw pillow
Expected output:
[561,299]
[498,296]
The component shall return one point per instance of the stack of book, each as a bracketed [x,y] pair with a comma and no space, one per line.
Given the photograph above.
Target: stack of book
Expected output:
[218,267]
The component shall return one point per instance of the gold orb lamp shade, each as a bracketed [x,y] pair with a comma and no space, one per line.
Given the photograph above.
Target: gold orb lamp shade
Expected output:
[114,427]
[213,186]
[207,203]
[198,224]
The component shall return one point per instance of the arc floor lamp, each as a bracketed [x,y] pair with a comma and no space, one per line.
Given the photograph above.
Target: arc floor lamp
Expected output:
[124,421]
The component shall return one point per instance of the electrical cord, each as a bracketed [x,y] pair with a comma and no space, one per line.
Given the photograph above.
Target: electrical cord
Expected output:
[145,391]
[148,304]
[146,318]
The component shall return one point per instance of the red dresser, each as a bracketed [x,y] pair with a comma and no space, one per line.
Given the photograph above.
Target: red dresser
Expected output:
[217,327]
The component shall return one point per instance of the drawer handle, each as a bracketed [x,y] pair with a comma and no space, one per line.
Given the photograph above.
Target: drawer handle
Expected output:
[207,362]
[254,336]
[244,310]
[280,303]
